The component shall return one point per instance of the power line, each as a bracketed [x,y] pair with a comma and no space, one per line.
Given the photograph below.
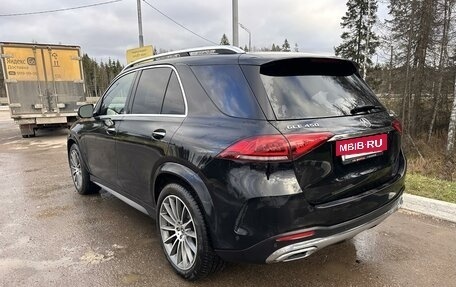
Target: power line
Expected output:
[59,10]
[177,23]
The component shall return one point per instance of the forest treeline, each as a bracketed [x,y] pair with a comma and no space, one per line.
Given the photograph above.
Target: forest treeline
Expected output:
[416,76]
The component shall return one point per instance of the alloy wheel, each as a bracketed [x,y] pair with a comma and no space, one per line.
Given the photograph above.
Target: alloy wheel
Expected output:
[178,232]
[76,172]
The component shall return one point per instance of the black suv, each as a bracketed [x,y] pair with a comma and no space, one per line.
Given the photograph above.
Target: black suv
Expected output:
[252,157]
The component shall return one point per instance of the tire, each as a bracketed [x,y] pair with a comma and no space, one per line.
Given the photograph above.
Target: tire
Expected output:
[185,239]
[79,173]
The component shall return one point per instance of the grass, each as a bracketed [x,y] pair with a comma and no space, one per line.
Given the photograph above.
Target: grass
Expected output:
[430,187]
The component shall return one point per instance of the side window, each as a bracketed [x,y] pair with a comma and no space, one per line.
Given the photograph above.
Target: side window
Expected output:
[151,91]
[228,88]
[116,97]
[174,100]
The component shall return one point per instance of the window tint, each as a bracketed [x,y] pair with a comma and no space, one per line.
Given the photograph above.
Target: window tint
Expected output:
[229,90]
[174,101]
[116,97]
[317,89]
[150,91]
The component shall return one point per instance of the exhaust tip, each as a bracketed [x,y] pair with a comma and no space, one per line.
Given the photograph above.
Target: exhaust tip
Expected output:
[296,254]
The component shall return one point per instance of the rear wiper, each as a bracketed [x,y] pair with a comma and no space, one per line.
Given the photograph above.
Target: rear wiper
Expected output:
[366,108]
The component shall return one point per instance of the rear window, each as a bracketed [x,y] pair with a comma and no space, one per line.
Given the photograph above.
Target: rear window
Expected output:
[314,88]
[229,90]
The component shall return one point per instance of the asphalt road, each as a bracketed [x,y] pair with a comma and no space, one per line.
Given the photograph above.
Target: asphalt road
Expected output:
[51,236]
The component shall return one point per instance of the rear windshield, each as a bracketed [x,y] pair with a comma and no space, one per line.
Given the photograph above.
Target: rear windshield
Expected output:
[229,90]
[314,88]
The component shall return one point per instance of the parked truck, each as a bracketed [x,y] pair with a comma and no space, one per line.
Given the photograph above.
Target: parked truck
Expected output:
[44,84]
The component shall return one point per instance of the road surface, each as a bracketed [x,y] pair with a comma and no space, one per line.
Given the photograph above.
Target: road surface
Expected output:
[51,236]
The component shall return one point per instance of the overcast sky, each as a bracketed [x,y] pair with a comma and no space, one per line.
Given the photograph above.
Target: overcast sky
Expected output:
[108,30]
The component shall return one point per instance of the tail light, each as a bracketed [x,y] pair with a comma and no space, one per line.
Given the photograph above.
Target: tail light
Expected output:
[304,143]
[396,124]
[274,147]
[296,236]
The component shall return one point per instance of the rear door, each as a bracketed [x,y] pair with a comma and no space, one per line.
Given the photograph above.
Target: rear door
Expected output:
[325,176]
[157,110]
[311,96]
[25,78]
[65,83]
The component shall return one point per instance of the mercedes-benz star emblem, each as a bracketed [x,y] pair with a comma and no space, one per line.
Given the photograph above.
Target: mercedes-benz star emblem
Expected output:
[365,122]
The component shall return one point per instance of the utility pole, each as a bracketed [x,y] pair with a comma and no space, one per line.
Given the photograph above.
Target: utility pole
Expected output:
[235,24]
[141,38]
[250,36]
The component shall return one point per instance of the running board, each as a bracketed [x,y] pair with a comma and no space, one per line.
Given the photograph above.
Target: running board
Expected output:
[124,199]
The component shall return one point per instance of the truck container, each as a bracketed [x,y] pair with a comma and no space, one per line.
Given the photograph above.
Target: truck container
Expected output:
[44,84]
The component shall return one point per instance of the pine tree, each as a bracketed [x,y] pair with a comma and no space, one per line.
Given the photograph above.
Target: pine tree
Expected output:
[2,85]
[448,6]
[286,46]
[403,29]
[98,76]
[413,24]
[88,67]
[275,48]
[224,40]
[359,42]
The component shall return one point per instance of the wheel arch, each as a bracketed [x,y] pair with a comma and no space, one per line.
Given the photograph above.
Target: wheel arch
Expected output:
[70,142]
[178,173]
[73,141]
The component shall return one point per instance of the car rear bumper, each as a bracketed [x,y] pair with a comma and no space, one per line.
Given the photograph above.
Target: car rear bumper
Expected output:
[272,251]
[306,248]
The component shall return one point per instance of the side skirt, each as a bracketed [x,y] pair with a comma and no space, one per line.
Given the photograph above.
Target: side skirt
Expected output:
[124,199]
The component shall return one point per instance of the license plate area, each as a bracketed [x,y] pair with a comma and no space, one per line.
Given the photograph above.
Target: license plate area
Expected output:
[346,159]
[357,149]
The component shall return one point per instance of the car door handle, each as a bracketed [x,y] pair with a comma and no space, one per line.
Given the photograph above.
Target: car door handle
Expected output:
[111,131]
[159,134]
[109,123]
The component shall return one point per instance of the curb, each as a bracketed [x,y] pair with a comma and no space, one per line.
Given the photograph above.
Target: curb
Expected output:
[432,207]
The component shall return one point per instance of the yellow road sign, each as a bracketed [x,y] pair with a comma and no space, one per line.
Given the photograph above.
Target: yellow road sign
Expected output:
[139,53]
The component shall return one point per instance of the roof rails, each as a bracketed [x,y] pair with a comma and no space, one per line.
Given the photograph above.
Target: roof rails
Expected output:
[220,50]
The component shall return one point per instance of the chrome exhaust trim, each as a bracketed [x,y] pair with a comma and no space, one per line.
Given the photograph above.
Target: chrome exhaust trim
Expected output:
[306,248]
[296,254]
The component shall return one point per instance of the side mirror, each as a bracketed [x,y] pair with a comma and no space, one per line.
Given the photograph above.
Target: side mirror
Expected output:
[85,111]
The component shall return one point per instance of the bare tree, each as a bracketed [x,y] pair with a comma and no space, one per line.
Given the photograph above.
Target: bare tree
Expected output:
[451,128]
[443,58]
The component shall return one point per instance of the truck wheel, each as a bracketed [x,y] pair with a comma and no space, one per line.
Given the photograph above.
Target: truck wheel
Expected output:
[183,233]
[28,136]
[79,173]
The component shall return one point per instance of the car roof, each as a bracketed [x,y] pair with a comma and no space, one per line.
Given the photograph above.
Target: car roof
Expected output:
[249,58]
[259,58]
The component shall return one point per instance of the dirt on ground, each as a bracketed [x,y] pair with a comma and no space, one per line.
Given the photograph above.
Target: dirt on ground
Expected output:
[51,236]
